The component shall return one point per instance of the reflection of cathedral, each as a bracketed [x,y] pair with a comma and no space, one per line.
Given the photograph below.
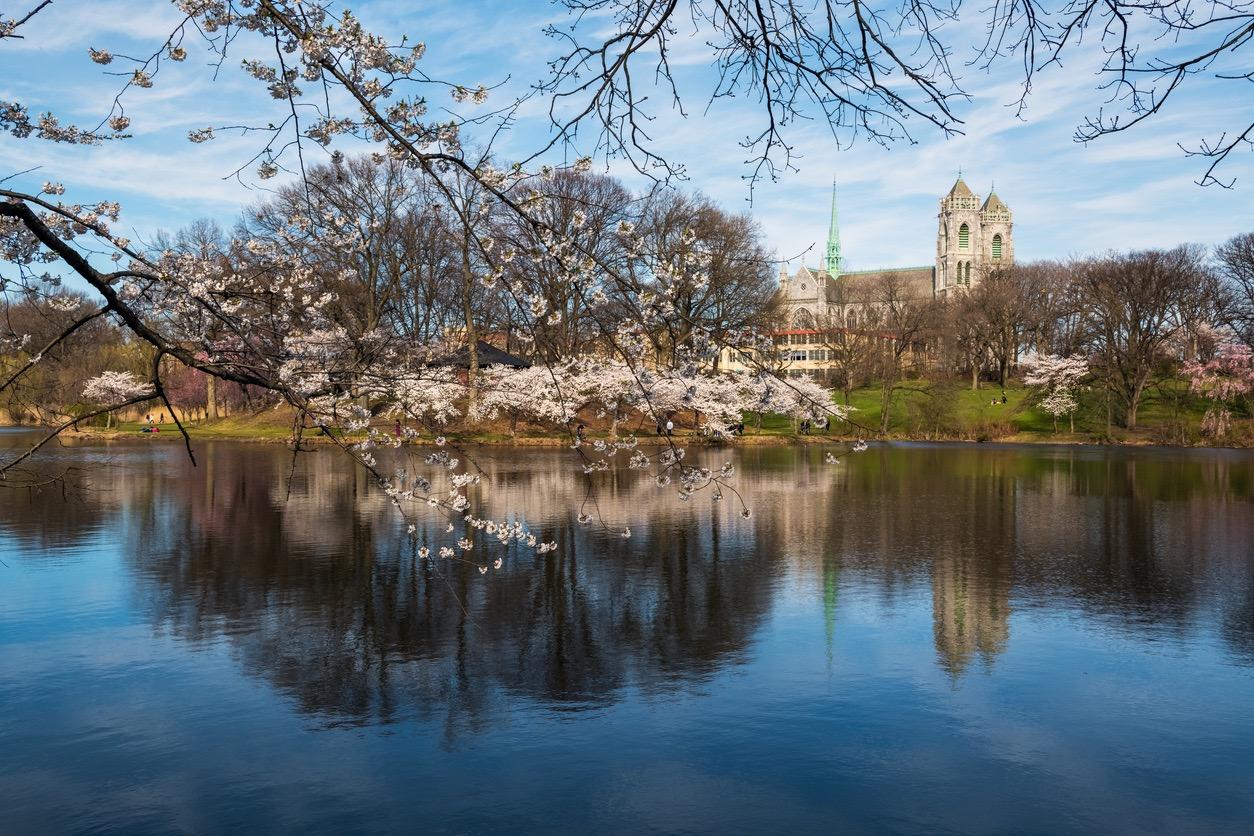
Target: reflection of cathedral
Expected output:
[970,611]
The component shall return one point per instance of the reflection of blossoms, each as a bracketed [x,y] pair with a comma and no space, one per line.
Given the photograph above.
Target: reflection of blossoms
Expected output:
[268,311]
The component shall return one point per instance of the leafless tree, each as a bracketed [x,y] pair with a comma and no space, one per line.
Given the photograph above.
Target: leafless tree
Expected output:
[845,335]
[1056,324]
[1235,259]
[587,209]
[877,71]
[1133,304]
[1005,308]
[902,320]
[966,336]
[708,271]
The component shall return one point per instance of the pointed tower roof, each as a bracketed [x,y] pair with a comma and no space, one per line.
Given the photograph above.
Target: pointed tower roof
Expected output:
[960,189]
[832,261]
[994,204]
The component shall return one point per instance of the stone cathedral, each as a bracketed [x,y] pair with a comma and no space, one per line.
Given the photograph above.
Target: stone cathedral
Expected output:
[972,237]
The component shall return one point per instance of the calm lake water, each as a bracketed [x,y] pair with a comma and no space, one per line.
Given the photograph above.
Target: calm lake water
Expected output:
[921,639]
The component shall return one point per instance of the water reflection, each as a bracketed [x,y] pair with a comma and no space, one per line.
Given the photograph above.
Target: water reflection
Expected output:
[309,577]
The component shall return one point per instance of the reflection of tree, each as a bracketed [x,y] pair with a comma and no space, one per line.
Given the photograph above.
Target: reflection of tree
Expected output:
[1137,538]
[322,595]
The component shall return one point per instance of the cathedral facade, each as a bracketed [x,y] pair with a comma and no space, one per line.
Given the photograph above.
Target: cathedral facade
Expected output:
[973,237]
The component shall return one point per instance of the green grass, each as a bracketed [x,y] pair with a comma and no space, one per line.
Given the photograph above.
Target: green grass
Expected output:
[1169,414]
[236,426]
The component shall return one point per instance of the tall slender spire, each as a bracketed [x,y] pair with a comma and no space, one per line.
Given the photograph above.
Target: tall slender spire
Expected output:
[832,263]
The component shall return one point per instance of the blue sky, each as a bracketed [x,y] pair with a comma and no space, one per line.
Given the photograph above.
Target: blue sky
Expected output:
[1130,190]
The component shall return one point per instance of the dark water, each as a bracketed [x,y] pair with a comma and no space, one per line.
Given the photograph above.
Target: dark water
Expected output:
[924,639]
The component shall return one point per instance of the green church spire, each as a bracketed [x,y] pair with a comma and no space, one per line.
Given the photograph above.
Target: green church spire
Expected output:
[833,261]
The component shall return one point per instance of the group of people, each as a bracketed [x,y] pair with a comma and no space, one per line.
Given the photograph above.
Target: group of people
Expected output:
[150,426]
[807,425]
[995,401]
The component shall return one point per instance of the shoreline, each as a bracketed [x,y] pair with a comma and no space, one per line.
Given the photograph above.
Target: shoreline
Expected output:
[556,441]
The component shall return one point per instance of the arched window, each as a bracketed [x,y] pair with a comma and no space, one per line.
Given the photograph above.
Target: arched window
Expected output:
[997,245]
[851,320]
[964,237]
[802,320]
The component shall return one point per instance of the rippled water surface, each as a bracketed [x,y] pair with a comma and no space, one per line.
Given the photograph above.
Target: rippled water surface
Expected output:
[922,639]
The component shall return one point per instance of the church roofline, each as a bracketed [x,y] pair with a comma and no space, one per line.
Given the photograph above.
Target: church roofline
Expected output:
[994,203]
[886,270]
[960,189]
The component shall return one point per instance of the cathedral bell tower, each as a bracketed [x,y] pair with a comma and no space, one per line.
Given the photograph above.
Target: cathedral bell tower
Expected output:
[971,238]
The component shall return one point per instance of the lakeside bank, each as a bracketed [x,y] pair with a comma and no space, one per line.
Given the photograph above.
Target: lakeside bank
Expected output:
[235,429]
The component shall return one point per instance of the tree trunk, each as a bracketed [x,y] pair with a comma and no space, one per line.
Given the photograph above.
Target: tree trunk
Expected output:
[472,339]
[1134,403]
[1003,362]
[1109,410]
[886,402]
[211,398]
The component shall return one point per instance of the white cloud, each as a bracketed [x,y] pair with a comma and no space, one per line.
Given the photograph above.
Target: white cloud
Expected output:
[1131,189]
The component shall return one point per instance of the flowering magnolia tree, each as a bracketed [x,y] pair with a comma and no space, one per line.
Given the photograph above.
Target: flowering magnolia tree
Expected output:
[1058,378]
[1226,379]
[267,309]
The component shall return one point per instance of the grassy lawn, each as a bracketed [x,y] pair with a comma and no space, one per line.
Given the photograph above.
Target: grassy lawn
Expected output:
[1168,414]
[236,426]
[920,409]
[968,409]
